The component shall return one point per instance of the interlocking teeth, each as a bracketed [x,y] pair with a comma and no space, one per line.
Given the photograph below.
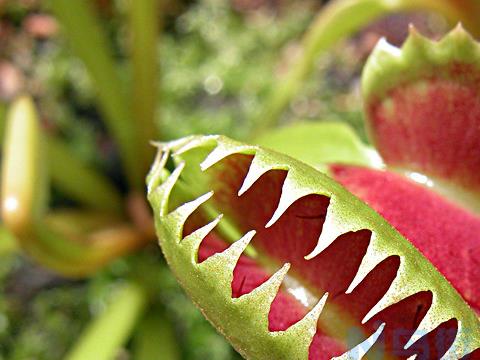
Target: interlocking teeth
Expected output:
[340,219]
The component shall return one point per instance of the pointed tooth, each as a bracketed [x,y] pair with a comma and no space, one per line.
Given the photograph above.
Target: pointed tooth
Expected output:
[459,35]
[416,44]
[308,325]
[359,351]
[395,293]
[164,191]
[290,193]
[238,247]
[222,151]
[274,282]
[223,264]
[304,330]
[178,143]
[192,242]
[154,176]
[181,146]
[415,38]
[372,258]
[258,167]
[311,319]
[461,346]
[259,301]
[429,323]
[181,214]
[336,223]
[227,259]
[413,357]
[412,31]
[158,144]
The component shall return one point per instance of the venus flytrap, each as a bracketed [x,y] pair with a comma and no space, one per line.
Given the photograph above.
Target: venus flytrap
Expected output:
[245,320]
[333,277]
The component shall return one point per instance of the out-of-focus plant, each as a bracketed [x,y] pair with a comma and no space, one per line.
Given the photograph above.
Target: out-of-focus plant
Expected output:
[106,224]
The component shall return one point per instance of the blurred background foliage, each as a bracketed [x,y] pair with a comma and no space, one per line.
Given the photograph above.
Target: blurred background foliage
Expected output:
[218,59]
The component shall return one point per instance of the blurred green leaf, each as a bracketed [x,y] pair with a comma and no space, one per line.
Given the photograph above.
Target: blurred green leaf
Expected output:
[320,143]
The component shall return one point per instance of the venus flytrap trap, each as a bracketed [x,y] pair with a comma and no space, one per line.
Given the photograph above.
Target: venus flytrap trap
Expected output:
[333,277]
[245,320]
[428,90]
[340,19]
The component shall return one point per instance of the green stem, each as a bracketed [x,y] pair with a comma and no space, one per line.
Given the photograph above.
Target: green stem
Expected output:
[89,42]
[336,21]
[144,28]
[104,336]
